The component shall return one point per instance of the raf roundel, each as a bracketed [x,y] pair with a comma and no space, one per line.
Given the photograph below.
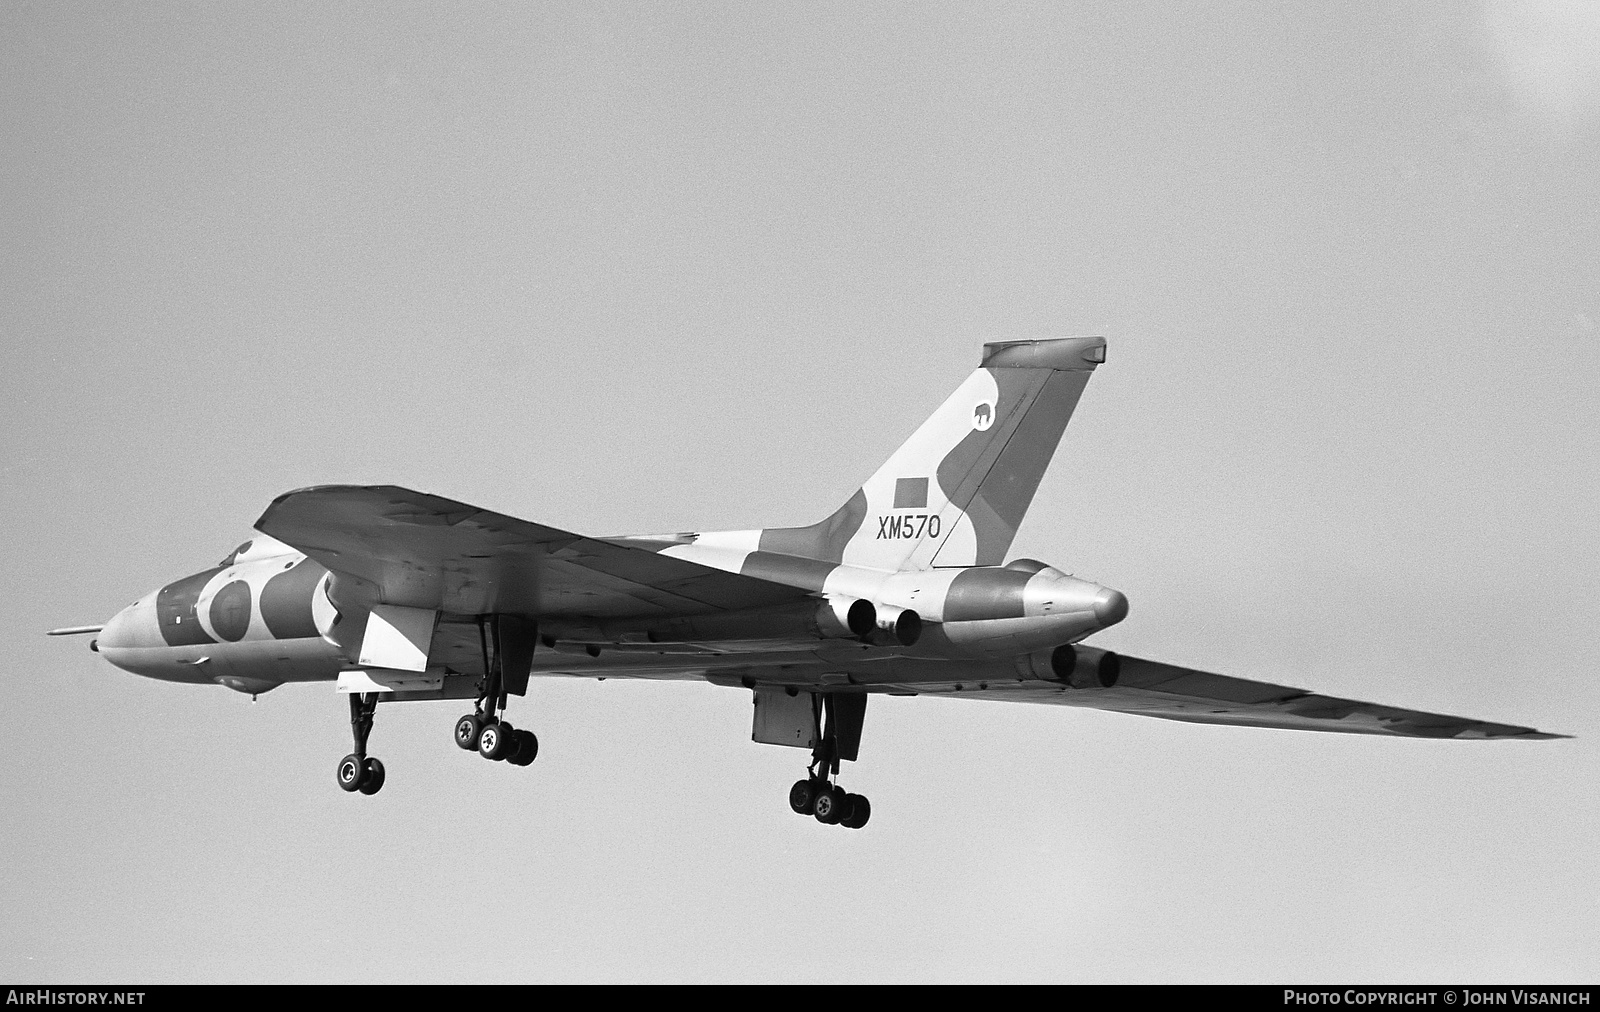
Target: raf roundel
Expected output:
[230,611]
[983,416]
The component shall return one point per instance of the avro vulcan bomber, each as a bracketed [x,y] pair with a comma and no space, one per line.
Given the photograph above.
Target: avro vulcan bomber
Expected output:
[905,590]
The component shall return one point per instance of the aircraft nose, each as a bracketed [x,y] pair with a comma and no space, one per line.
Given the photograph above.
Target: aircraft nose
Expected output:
[133,626]
[1110,606]
[116,633]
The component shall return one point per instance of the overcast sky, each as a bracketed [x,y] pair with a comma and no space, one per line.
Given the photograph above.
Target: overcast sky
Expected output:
[669,267]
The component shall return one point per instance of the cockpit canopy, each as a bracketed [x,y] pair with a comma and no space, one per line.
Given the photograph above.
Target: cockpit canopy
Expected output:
[258,547]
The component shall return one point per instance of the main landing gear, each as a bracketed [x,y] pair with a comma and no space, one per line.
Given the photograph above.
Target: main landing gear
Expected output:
[508,642]
[831,805]
[485,730]
[359,771]
[839,721]
[493,738]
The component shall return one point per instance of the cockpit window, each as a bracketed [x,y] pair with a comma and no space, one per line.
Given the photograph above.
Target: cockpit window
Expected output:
[235,554]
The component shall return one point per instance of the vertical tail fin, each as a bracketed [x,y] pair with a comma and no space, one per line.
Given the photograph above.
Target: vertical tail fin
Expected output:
[956,491]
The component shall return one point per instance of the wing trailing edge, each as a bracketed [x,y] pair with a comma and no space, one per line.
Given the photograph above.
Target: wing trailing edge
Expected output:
[1154,689]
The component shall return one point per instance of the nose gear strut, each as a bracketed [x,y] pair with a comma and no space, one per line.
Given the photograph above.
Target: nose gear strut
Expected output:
[358,771]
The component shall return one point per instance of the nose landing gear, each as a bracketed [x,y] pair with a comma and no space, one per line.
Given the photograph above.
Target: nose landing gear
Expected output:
[358,774]
[358,771]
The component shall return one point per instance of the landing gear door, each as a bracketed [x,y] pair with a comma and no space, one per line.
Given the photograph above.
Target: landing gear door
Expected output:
[398,638]
[514,641]
[784,719]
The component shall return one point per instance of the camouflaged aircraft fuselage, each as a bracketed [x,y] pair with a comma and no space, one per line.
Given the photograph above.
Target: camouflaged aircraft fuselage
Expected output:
[904,589]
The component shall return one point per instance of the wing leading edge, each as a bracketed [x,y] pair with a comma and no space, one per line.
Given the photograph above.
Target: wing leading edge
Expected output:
[425,551]
[1152,689]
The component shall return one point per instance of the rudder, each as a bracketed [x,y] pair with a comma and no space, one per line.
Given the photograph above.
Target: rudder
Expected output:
[956,491]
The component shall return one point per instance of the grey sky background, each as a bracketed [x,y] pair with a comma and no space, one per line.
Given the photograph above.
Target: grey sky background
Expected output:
[663,267]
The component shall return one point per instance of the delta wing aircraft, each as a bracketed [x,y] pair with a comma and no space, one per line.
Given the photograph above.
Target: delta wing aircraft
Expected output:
[904,590]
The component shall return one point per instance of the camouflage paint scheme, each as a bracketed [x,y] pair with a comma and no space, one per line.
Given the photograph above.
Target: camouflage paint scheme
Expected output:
[901,590]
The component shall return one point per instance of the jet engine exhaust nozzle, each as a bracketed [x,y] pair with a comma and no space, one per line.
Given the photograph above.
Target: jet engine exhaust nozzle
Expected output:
[868,621]
[1078,666]
[903,623]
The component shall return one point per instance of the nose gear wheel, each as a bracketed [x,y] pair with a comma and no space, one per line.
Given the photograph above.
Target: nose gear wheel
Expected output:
[372,776]
[358,771]
[350,773]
